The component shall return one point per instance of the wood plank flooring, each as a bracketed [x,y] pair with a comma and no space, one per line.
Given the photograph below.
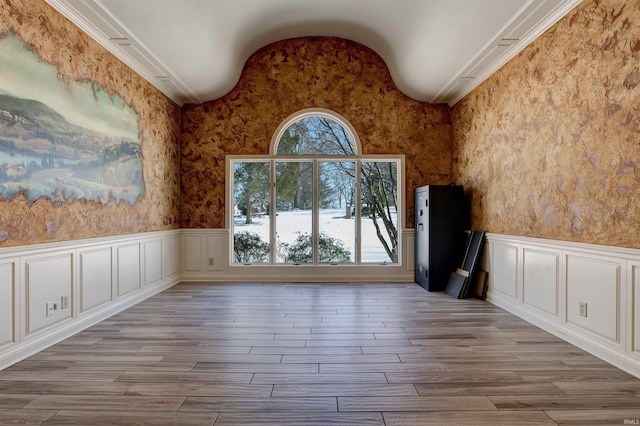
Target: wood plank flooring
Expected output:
[307,354]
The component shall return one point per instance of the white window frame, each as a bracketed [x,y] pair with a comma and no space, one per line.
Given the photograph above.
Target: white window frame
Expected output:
[314,112]
[272,158]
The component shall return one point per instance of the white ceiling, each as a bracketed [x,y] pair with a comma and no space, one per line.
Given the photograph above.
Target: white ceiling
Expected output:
[194,50]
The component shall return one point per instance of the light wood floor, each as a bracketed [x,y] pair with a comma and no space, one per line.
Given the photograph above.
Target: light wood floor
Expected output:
[357,354]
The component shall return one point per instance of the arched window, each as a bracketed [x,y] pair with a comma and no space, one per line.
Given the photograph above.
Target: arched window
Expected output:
[315,132]
[316,199]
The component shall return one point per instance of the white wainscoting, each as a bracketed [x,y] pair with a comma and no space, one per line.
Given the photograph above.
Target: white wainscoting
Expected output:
[96,278]
[171,256]
[545,282]
[206,258]
[541,281]
[7,302]
[633,305]
[152,268]
[128,266]
[48,278]
[85,282]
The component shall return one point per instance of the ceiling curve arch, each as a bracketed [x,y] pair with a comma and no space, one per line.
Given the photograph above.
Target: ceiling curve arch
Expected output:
[194,51]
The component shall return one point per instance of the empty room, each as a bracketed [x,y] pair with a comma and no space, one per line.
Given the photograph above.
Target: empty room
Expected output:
[393,212]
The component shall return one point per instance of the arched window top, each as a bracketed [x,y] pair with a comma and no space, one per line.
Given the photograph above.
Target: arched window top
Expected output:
[315,131]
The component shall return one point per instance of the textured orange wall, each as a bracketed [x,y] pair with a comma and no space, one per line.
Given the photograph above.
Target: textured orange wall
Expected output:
[549,146]
[78,57]
[292,75]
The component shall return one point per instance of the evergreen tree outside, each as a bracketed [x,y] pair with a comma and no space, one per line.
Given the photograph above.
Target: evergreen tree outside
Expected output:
[251,188]
[330,250]
[248,248]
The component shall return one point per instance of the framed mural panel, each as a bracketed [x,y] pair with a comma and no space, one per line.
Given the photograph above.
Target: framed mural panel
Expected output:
[63,139]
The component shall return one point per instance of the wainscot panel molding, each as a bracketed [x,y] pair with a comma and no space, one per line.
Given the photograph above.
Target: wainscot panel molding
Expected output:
[541,280]
[96,277]
[192,252]
[171,256]
[207,258]
[49,292]
[152,261]
[633,306]
[586,294]
[48,279]
[8,300]
[128,267]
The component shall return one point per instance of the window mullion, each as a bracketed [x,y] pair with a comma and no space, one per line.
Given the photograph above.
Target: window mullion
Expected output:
[317,167]
[315,213]
[358,215]
[272,211]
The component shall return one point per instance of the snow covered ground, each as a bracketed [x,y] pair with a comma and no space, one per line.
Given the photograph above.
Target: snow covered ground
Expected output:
[331,221]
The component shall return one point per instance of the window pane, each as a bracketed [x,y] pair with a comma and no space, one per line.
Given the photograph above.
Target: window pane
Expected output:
[251,210]
[379,222]
[337,187]
[294,206]
[316,135]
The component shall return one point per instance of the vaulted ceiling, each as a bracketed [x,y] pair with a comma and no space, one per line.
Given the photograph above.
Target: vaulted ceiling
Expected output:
[194,50]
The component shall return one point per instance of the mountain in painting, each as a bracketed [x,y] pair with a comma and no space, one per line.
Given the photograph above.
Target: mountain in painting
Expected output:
[40,149]
[32,127]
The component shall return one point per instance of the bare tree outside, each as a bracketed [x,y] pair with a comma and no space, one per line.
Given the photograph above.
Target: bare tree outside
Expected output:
[379,187]
[319,174]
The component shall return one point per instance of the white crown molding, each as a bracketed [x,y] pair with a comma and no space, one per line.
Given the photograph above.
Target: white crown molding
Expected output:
[105,29]
[504,47]
[533,19]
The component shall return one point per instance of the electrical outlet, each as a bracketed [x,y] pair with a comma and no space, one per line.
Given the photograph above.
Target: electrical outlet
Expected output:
[51,308]
[64,302]
[211,261]
[583,309]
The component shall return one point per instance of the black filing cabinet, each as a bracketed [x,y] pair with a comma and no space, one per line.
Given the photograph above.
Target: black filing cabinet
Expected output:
[442,215]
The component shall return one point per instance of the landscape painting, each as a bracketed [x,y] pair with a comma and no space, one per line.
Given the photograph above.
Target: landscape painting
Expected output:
[63,139]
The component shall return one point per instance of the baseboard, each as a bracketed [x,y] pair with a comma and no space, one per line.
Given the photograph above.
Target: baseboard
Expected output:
[540,281]
[304,274]
[206,258]
[581,341]
[546,282]
[71,327]
[49,292]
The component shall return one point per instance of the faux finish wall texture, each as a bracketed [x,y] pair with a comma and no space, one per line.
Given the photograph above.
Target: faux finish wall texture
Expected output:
[78,57]
[549,146]
[295,74]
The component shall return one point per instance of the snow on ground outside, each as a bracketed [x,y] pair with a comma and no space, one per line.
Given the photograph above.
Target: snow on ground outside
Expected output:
[332,222]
